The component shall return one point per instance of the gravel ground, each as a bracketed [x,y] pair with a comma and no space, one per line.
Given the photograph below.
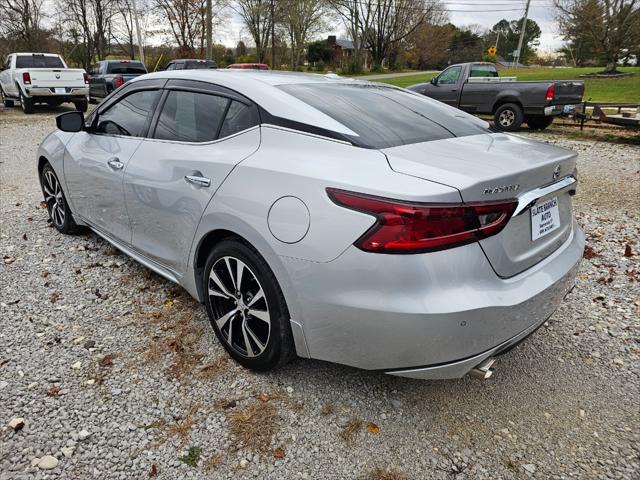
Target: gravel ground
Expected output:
[116,373]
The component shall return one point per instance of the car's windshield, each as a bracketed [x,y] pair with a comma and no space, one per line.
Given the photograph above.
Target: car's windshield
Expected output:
[38,61]
[130,68]
[384,117]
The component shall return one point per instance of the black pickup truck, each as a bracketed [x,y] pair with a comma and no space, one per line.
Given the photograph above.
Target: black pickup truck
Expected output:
[107,75]
[477,88]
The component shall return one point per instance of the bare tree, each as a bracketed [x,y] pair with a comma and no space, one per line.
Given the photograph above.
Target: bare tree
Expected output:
[124,28]
[21,22]
[357,17]
[609,25]
[257,17]
[300,20]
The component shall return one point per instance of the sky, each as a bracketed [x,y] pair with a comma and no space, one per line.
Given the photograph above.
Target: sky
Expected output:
[485,13]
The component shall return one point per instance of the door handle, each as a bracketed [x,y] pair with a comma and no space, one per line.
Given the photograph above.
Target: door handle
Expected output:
[198,180]
[115,164]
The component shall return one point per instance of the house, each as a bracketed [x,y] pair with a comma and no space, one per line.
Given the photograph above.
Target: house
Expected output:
[343,52]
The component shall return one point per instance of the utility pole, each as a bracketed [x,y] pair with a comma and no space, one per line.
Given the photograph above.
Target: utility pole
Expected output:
[273,36]
[524,27]
[209,33]
[138,34]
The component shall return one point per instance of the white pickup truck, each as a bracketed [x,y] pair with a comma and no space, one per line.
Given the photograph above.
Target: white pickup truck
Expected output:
[32,78]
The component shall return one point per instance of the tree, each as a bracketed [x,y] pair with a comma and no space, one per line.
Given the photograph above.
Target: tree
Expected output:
[241,49]
[609,27]
[356,15]
[319,51]
[509,31]
[301,19]
[21,24]
[427,46]
[465,46]
[256,15]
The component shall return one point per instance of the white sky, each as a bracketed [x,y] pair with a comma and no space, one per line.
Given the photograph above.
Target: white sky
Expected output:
[462,13]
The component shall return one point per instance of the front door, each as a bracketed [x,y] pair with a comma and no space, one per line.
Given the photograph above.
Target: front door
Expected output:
[95,160]
[197,140]
[446,87]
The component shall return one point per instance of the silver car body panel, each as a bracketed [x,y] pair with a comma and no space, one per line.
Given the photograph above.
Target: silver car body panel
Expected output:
[428,315]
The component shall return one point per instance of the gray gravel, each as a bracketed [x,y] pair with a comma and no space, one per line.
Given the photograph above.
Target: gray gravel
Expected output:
[117,375]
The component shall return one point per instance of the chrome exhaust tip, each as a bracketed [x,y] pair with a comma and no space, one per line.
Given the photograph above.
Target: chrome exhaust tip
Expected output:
[484,369]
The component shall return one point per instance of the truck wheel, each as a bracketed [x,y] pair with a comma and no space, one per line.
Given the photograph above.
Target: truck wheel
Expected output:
[539,122]
[7,103]
[508,117]
[81,105]
[27,104]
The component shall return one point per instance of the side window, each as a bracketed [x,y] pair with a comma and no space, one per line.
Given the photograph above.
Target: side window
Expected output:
[190,117]
[239,117]
[179,66]
[129,115]
[450,76]
[95,69]
[171,66]
[8,64]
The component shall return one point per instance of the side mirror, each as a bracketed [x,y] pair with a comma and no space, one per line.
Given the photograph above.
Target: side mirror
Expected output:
[70,121]
[434,81]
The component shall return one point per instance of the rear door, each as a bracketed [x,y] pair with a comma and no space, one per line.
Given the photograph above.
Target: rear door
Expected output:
[198,135]
[95,160]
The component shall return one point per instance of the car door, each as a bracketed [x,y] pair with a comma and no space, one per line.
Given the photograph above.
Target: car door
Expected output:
[199,134]
[446,87]
[96,157]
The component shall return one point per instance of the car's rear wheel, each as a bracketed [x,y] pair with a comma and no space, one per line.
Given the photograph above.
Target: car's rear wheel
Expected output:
[508,117]
[7,103]
[57,206]
[539,122]
[246,306]
[26,103]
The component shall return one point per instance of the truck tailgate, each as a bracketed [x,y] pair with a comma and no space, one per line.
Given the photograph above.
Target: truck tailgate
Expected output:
[569,92]
[63,77]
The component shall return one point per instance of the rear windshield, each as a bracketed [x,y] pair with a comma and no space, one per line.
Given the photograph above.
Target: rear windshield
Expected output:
[483,71]
[130,68]
[38,61]
[196,65]
[384,117]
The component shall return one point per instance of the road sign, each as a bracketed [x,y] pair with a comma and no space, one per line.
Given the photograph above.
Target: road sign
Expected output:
[492,51]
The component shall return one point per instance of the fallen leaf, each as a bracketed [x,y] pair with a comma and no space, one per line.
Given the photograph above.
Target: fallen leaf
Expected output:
[627,250]
[589,252]
[44,274]
[279,453]
[107,360]
[54,297]
[373,428]
[168,303]
[43,204]
[263,397]
[53,391]
[154,470]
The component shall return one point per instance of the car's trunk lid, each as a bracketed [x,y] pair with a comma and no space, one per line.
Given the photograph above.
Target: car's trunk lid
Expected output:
[495,167]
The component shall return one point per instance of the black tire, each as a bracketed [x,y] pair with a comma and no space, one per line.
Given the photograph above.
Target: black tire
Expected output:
[539,122]
[251,340]
[57,206]
[81,105]
[508,117]
[7,103]
[27,104]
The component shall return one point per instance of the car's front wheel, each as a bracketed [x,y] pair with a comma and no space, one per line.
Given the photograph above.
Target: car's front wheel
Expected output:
[246,306]
[57,206]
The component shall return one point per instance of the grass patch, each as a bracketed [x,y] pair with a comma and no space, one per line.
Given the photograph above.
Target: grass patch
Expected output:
[253,426]
[192,457]
[379,473]
[619,90]
[182,427]
[351,429]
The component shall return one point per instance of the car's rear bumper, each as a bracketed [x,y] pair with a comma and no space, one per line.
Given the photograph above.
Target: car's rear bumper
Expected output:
[75,93]
[434,315]
[554,110]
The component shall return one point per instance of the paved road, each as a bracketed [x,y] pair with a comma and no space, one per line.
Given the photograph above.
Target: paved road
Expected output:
[394,75]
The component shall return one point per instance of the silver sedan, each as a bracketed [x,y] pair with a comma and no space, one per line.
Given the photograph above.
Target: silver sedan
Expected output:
[323,217]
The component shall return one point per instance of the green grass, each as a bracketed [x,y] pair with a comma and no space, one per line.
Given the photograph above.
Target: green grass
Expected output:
[192,457]
[619,90]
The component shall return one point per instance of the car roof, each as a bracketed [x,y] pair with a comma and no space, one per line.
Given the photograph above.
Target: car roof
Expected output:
[260,87]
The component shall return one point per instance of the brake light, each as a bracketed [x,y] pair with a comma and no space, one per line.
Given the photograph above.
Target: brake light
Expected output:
[404,227]
[550,93]
[86,77]
[26,78]
[119,81]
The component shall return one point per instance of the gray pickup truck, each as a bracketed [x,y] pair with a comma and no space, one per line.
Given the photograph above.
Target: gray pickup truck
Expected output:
[477,88]
[107,75]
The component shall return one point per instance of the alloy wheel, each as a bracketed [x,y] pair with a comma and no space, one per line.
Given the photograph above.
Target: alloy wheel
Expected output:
[240,306]
[53,198]
[507,117]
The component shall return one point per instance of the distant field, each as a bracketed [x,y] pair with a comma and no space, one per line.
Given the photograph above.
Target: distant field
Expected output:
[620,90]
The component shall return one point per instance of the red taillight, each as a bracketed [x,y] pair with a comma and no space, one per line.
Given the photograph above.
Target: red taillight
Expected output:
[550,93]
[119,81]
[405,227]
[86,78]
[26,78]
